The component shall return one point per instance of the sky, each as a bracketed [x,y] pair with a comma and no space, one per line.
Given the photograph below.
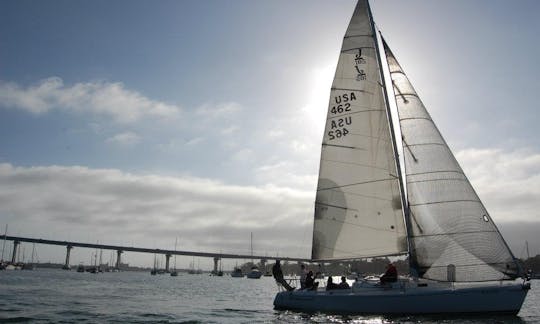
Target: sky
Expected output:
[139,122]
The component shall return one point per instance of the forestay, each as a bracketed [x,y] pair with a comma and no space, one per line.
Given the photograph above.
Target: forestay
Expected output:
[453,237]
[358,206]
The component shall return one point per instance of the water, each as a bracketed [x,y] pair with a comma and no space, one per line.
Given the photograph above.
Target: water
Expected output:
[45,296]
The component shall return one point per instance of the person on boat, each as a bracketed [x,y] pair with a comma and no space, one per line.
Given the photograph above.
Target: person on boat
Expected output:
[330,284]
[310,281]
[390,274]
[278,276]
[343,284]
[303,276]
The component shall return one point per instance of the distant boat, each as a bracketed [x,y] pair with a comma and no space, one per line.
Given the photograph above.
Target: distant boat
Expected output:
[237,273]
[13,267]
[192,269]
[80,268]
[255,273]
[31,265]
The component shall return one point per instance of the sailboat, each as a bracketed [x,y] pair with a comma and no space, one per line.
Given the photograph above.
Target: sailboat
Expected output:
[389,186]
[174,273]
[254,273]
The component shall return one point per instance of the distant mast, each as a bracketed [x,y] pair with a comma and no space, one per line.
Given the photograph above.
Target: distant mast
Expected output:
[4,244]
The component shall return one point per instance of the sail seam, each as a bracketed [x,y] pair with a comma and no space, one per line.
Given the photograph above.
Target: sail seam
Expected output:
[356,48]
[346,89]
[353,113]
[441,179]
[439,171]
[335,206]
[358,164]
[354,147]
[367,196]
[355,184]
[456,233]
[361,226]
[413,118]
[447,201]
[423,144]
[343,146]
[351,36]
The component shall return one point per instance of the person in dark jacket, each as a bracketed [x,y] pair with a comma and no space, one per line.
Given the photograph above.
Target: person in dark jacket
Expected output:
[330,284]
[343,284]
[390,275]
[310,281]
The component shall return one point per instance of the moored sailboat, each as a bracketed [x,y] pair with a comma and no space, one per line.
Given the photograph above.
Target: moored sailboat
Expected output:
[369,204]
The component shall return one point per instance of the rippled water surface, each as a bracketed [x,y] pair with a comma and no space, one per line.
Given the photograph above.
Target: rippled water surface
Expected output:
[67,296]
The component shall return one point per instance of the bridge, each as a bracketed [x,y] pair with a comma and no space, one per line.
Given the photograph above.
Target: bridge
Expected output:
[121,249]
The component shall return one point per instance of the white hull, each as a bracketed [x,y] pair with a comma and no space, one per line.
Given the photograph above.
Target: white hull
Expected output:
[407,297]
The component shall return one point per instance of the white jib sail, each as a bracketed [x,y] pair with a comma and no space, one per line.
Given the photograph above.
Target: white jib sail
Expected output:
[358,206]
[453,237]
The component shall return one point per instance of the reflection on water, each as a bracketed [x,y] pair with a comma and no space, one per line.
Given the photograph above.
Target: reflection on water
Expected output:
[69,296]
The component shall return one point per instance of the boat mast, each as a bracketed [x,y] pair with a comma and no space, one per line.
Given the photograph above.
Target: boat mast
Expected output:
[404,201]
[4,243]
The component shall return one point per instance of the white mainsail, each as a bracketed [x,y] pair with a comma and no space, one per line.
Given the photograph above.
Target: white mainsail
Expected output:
[450,227]
[358,209]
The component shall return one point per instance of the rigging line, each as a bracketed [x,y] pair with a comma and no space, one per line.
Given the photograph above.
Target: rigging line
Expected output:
[447,201]
[409,149]
[415,221]
[362,226]
[399,92]
[354,184]
[456,233]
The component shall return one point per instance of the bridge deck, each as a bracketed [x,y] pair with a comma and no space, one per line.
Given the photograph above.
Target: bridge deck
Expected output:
[147,250]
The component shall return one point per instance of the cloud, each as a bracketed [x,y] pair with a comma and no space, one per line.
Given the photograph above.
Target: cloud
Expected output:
[508,182]
[220,110]
[124,139]
[195,141]
[115,207]
[100,98]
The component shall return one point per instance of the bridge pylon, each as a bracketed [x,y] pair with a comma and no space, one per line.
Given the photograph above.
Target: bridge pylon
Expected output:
[15,248]
[68,252]
[167,258]
[118,259]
